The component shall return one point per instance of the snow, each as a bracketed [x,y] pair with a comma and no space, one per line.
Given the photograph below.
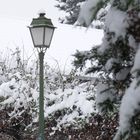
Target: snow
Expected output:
[110,62]
[41,11]
[103,93]
[103,11]
[122,74]
[116,28]
[117,23]
[129,106]
[66,40]
[74,99]
[114,24]
[136,66]
[130,102]
[86,13]
[21,91]
[104,46]
[132,42]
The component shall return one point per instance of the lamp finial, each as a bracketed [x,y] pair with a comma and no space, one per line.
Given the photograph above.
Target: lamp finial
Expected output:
[42,13]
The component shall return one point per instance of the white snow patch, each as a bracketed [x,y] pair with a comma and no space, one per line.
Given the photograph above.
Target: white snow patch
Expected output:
[122,74]
[117,23]
[86,13]
[103,94]
[109,63]
[70,98]
[132,42]
[136,62]
[130,104]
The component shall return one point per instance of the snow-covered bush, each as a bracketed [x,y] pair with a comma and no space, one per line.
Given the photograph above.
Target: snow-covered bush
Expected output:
[68,100]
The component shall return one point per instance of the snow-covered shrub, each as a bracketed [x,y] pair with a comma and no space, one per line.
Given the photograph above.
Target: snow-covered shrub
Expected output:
[68,100]
[71,105]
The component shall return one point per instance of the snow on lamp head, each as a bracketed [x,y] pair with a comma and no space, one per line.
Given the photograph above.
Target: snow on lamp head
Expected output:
[41,30]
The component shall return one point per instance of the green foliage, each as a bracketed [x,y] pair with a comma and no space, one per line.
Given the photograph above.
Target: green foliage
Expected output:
[80,59]
[135,127]
[117,55]
[108,107]
[101,4]
[2,98]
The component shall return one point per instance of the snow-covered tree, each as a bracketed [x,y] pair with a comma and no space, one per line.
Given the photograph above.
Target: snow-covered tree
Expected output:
[71,9]
[115,60]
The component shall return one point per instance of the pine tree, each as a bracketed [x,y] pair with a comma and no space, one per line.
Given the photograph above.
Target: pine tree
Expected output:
[115,61]
[71,8]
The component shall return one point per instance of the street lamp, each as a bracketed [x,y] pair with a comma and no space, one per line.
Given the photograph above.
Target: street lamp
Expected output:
[41,30]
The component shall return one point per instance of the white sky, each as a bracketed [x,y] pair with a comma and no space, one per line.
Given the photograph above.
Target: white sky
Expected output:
[26,8]
[16,15]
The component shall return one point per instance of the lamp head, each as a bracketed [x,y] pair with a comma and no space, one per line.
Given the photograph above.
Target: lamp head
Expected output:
[41,30]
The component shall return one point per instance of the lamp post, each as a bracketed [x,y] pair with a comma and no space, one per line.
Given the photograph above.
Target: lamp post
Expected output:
[41,30]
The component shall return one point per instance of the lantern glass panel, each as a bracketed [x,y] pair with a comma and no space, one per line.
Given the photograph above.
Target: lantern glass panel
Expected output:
[48,35]
[37,35]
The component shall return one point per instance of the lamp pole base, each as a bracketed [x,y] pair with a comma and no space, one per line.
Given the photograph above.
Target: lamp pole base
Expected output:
[41,137]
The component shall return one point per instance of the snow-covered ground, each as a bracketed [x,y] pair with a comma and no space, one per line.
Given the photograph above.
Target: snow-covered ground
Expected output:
[66,40]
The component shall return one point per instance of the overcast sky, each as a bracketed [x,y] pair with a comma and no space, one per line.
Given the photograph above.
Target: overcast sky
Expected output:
[16,15]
